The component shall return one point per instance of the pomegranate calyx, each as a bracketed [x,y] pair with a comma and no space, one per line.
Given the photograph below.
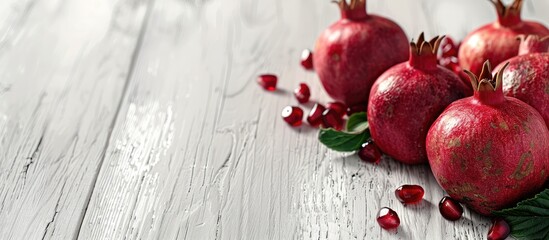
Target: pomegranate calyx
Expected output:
[487,87]
[533,44]
[508,15]
[355,10]
[423,54]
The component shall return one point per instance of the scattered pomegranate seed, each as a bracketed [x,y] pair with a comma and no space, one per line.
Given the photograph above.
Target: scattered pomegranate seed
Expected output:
[449,48]
[356,109]
[409,194]
[500,230]
[302,93]
[293,115]
[332,119]
[340,108]
[450,209]
[369,152]
[315,116]
[387,218]
[268,81]
[307,59]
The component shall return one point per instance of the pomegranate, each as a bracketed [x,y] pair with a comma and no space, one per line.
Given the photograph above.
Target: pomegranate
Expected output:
[527,77]
[497,41]
[489,151]
[355,50]
[387,218]
[407,98]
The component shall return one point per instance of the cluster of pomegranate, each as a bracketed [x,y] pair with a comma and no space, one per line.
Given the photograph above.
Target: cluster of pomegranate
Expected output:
[438,102]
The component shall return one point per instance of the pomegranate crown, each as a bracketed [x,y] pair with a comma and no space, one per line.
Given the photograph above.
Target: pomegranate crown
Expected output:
[508,15]
[423,47]
[533,44]
[355,9]
[486,81]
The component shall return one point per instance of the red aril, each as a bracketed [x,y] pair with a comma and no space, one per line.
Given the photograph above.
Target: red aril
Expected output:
[527,76]
[450,209]
[268,81]
[448,49]
[332,119]
[356,109]
[340,108]
[315,116]
[369,152]
[307,59]
[355,50]
[496,41]
[292,115]
[407,98]
[489,151]
[302,93]
[499,230]
[387,218]
[448,58]
[409,194]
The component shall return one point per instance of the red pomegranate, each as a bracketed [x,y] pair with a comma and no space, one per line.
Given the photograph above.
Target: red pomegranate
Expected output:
[355,50]
[489,151]
[527,77]
[497,42]
[407,98]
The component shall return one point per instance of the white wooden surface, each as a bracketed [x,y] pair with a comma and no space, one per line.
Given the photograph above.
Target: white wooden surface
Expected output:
[140,119]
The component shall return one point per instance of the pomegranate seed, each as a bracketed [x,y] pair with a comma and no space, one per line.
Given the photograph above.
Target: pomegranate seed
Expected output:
[293,115]
[315,116]
[307,59]
[500,230]
[450,209]
[449,48]
[302,93]
[387,218]
[369,152]
[409,194]
[356,109]
[332,119]
[268,81]
[340,108]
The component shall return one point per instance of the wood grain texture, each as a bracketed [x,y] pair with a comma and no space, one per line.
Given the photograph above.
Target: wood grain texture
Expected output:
[63,68]
[197,149]
[200,152]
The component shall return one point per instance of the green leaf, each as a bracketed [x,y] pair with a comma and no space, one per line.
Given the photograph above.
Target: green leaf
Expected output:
[343,141]
[530,218]
[357,122]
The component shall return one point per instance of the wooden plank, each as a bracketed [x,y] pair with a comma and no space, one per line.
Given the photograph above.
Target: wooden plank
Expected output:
[199,150]
[63,68]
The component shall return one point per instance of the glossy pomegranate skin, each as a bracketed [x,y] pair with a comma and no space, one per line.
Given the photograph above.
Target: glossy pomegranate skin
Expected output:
[527,78]
[354,51]
[405,101]
[489,138]
[496,41]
